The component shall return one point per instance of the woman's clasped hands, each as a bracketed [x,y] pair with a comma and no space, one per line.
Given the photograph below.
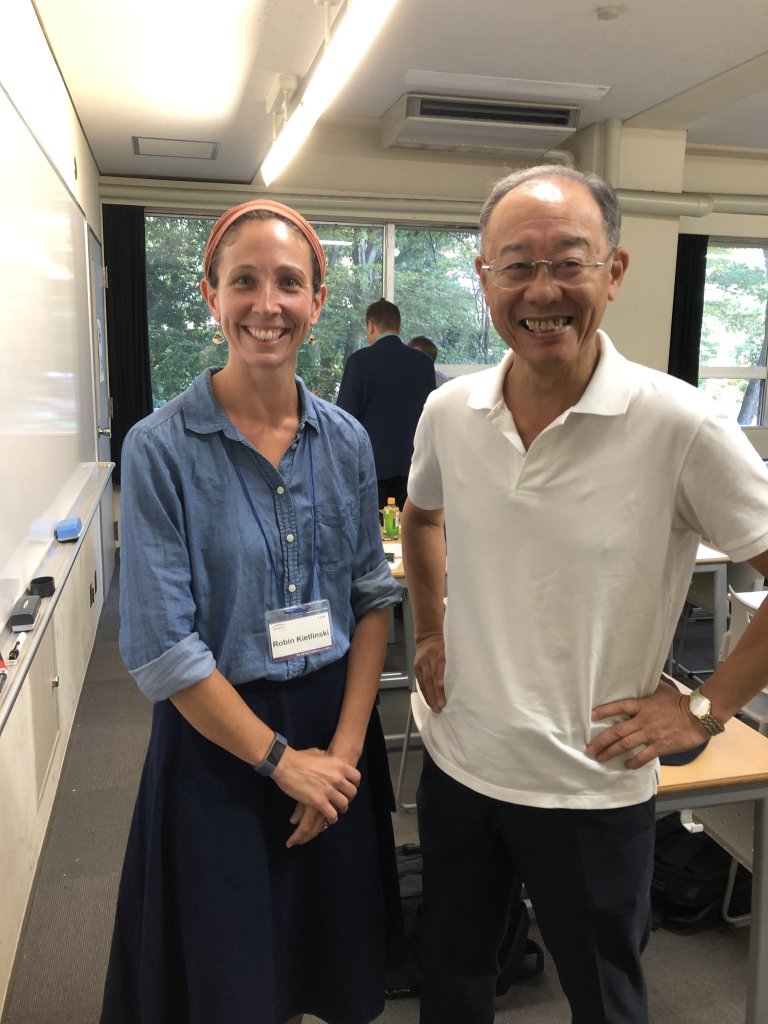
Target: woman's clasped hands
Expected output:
[323,785]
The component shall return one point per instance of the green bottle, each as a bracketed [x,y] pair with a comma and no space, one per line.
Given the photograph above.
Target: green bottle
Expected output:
[391,520]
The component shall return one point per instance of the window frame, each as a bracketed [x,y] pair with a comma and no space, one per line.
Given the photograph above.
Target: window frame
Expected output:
[723,371]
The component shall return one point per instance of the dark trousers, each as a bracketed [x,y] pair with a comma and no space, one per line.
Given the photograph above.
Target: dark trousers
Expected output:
[393,487]
[587,874]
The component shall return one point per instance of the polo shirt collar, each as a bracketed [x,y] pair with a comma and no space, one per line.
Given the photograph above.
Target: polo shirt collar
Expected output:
[607,393]
[204,415]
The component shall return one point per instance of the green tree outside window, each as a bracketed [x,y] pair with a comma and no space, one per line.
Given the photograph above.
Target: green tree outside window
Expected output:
[734,334]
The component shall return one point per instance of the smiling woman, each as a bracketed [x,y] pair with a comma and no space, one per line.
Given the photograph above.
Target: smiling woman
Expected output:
[261,649]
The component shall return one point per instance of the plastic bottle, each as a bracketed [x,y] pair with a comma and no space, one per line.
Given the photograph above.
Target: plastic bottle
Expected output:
[391,520]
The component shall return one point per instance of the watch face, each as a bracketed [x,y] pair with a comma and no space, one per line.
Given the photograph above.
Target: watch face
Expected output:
[699,704]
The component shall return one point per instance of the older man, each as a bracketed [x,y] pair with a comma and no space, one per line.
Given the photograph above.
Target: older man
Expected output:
[573,487]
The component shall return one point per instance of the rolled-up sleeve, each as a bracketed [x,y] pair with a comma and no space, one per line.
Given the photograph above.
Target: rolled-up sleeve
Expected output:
[158,639]
[175,669]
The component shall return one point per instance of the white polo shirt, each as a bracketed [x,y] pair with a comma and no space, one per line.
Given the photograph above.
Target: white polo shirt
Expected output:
[568,567]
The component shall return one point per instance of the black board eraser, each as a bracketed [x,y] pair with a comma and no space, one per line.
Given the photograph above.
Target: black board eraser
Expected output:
[24,613]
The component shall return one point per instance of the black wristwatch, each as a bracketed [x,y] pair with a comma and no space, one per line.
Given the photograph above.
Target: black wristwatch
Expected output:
[273,755]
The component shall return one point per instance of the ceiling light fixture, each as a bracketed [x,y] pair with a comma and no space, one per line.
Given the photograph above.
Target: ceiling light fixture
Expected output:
[353,33]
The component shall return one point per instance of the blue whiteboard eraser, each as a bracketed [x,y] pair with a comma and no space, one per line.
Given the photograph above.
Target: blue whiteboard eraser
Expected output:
[68,529]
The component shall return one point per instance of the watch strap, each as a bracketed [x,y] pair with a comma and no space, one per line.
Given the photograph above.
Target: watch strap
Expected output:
[713,727]
[710,723]
[273,755]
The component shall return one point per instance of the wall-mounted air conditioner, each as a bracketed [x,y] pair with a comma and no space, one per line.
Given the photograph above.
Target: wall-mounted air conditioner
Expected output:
[493,126]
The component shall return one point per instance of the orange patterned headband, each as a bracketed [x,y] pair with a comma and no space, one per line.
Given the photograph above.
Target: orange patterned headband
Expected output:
[226,220]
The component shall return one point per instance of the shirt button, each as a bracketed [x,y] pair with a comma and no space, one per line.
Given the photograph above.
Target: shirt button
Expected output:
[281,490]
[291,588]
[293,445]
[289,538]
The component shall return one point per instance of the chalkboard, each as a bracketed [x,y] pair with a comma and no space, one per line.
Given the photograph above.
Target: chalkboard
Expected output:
[47,444]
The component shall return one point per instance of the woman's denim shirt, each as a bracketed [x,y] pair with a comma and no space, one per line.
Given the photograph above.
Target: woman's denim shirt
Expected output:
[196,577]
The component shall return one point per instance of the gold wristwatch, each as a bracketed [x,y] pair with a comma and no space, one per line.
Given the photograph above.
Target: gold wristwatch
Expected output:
[700,707]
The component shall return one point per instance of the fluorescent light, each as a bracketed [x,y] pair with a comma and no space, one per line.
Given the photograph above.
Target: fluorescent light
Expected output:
[361,23]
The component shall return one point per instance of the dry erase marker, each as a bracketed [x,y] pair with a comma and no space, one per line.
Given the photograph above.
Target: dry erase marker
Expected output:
[3,677]
[14,652]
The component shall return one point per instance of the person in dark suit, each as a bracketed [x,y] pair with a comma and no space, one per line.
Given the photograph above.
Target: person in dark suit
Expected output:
[429,348]
[385,386]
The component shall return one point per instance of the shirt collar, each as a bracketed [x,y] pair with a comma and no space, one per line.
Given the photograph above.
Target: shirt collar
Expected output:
[607,393]
[204,415]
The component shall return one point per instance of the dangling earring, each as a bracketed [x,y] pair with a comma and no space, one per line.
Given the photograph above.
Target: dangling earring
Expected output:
[312,338]
[218,338]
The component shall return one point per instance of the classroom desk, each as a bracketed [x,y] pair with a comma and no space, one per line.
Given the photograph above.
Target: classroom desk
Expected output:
[733,769]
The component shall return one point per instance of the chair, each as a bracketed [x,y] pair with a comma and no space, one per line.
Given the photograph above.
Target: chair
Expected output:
[700,604]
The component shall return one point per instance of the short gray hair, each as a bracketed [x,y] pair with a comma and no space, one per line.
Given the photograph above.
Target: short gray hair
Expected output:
[600,190]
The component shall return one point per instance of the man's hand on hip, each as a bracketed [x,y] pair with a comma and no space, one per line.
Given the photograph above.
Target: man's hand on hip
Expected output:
[659,723]
[429,666]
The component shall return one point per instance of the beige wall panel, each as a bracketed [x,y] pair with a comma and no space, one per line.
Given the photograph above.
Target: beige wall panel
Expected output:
[727,225]
[651,160]
[729,173]
[638,320]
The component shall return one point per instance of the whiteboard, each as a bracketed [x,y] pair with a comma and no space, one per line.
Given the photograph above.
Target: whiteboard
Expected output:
[46,381]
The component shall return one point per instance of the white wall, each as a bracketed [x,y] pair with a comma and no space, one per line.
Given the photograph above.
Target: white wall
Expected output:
[34,739]
[31,79]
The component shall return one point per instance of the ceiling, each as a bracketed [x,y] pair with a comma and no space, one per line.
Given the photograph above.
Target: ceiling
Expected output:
[199,70]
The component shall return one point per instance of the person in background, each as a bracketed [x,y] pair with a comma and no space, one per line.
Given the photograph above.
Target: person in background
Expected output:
[429,348]
[385,386]
[254,608]
[573,487]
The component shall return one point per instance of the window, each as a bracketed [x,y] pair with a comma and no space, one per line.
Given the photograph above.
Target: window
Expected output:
[180,325]
[438,293]
[354,279]
[435,286]
[734,334]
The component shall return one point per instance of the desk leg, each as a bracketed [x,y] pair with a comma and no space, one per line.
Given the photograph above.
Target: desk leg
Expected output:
[720,594]
[757,982]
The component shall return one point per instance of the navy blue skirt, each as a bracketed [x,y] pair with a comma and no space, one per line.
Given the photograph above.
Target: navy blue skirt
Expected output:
[217,922]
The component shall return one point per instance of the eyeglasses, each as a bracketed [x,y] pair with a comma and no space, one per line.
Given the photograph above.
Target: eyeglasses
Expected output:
[567,271]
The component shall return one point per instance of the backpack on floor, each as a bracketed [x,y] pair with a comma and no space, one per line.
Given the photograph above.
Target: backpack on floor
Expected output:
[690,875]
[519,956]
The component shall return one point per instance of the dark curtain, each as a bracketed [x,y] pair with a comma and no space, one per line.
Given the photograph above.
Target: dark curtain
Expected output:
[688,307]
[128,332]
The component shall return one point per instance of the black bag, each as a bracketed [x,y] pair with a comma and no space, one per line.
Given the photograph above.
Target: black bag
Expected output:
[690,875]
[519,956]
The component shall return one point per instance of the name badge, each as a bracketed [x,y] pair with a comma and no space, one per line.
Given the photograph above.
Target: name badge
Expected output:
[303,629]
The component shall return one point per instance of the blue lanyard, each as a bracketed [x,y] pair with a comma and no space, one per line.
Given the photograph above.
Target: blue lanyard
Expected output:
[257,517]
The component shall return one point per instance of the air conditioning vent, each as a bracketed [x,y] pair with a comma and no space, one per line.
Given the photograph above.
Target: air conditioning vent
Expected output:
[467,124]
